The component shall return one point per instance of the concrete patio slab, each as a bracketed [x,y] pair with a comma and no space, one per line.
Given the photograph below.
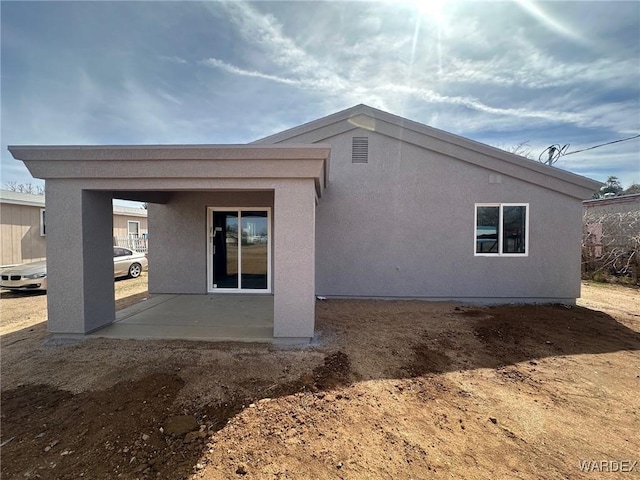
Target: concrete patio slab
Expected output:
[243,318]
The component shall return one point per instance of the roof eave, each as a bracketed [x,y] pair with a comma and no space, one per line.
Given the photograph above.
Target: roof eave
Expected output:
[579,186]
[176,161]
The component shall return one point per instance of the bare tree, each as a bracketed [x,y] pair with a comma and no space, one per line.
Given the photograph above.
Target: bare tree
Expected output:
[611,243]
[30,188]
[523,149]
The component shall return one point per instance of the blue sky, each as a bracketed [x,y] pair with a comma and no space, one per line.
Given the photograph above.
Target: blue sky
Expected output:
[190,72]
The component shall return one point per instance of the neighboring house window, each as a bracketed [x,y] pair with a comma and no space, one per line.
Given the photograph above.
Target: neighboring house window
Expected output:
[360,150]
[502,229]
[43,224]
[133,228]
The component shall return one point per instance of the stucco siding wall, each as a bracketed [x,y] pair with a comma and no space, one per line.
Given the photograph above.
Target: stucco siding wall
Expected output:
[402,225]
[178,248]
[20,230]
[618,205]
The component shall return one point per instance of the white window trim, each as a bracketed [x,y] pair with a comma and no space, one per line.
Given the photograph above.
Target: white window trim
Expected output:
[500,226]
[43,223]
[129,234]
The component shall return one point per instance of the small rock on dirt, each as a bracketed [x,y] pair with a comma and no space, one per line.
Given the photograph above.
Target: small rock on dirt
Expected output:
[179,425]
[191,436]
[493,420]
[241,470]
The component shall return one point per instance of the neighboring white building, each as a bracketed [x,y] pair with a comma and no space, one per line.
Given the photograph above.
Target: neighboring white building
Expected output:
[23,226]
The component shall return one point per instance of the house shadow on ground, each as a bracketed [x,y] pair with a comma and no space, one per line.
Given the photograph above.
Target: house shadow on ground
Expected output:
[408,338]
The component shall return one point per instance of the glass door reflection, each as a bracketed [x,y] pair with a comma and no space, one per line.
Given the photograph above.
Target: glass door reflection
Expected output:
[225,250]
[240,253]
[254,250]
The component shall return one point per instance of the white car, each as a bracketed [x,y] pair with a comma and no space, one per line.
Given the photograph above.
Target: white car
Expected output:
[128,263]
[30,276]
[33,276]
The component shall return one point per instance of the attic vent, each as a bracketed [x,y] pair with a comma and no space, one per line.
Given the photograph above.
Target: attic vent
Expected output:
[360,150]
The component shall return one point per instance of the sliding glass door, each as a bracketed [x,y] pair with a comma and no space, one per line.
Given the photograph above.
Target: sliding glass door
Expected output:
[239,250]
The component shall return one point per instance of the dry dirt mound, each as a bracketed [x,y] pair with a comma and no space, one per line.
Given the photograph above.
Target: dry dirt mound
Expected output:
[131,430]
[52,430]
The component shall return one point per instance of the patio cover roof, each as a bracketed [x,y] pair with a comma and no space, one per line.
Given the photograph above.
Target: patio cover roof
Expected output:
[177,161]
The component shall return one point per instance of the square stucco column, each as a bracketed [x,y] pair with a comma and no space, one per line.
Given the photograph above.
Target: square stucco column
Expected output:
[294,260]
[80,295]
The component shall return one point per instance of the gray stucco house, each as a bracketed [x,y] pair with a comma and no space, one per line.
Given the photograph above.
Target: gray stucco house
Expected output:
[360,203]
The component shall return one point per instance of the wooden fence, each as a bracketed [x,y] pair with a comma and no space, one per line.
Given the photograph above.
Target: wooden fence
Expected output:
[139,244]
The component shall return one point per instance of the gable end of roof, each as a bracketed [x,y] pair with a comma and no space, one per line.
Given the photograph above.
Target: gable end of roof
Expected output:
[439,141]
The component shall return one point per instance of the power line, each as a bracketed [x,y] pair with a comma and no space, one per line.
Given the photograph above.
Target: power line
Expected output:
[603,144]
[555,151]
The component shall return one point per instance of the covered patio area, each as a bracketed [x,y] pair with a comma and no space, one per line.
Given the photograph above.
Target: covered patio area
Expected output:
[244,318]
[224,219]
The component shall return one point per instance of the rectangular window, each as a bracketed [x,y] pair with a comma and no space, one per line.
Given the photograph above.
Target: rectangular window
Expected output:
[133,228]
[43,224]
[502,229]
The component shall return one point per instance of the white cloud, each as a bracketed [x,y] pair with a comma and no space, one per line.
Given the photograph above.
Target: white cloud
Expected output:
[173,59]
[167,96]
[378,70]
[216,63]
[264,32]
[483,69]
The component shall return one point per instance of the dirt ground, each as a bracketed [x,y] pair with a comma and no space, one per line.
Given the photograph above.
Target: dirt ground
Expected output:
[388,389]
[20,310]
